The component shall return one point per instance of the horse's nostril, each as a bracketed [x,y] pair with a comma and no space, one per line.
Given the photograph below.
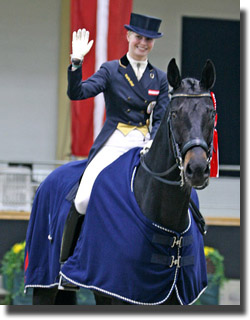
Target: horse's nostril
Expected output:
[189,170]
[207,170]
[194,170]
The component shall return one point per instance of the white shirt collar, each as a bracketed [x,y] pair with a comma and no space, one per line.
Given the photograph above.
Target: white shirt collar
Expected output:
[134,63]
[131,60]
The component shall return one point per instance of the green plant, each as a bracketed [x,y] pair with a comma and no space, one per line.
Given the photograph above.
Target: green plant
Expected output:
[215,265]
[12,264]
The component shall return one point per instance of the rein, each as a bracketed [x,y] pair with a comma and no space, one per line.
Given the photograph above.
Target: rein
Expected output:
[178,154]
[158,175]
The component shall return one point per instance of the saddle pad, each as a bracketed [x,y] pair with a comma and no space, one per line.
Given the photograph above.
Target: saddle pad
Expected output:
[123,254]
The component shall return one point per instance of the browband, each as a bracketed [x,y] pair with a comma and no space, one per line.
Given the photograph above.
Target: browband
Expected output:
[186,95]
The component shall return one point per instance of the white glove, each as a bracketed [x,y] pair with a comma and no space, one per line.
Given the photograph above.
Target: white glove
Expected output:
[80,44]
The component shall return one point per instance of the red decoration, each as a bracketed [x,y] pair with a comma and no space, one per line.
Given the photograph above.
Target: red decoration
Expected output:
[214,170]
[26,263]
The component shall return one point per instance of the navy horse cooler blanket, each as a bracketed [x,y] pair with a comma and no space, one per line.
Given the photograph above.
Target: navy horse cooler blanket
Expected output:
[119,252]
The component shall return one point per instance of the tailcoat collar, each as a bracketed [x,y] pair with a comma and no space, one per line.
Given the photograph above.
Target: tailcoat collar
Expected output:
[124,63]
[140,87]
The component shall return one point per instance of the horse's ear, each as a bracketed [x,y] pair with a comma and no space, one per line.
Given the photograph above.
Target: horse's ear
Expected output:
[208,75]
[174,77]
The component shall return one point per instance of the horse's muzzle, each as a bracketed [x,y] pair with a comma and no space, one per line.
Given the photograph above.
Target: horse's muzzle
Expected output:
[196,168]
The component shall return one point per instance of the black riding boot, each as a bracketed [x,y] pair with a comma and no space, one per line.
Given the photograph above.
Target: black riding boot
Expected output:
[70,236]
[71,233]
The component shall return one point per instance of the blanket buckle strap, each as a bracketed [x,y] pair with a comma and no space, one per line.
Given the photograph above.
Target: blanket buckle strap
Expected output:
[177,242]
[175,262]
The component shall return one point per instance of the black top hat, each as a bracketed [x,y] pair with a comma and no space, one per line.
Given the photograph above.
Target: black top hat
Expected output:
[144,25]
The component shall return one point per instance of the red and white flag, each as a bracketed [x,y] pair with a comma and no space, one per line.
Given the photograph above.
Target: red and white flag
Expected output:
[105,20]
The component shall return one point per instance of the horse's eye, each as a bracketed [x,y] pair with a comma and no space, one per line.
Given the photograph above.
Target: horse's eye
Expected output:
[173,114]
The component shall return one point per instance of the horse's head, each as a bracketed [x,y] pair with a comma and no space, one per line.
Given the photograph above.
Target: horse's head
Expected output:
[191,122]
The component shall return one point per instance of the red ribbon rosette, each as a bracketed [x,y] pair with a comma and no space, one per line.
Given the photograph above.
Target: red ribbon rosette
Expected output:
[214,170]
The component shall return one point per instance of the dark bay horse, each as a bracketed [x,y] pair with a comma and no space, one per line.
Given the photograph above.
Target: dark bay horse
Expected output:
[178,160]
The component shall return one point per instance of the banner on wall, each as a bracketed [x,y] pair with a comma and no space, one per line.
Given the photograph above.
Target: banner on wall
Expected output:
[105,20]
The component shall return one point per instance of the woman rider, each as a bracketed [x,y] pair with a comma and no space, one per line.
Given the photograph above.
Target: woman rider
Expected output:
[135,93]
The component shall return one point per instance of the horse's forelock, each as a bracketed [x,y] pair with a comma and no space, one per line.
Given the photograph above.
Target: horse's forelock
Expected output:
[190,86]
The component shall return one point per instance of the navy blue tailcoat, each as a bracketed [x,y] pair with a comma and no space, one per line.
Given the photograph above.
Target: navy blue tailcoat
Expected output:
[126,98]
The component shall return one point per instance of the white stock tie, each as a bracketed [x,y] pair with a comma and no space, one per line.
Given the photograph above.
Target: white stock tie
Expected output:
[138,75]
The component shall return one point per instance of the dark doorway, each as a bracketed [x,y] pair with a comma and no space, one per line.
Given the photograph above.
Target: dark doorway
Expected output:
[218,40]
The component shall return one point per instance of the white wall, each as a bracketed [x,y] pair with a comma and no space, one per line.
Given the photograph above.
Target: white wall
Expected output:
[29,42]
[221,198]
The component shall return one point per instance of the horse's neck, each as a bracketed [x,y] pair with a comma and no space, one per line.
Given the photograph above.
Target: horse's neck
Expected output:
[163,204]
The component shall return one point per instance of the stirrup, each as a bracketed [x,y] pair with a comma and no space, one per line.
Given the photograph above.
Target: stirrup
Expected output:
[66,285]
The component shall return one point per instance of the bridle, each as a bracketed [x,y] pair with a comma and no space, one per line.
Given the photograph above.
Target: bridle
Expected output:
[180,153]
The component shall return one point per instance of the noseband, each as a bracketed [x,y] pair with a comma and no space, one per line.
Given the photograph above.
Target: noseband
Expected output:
[179,154]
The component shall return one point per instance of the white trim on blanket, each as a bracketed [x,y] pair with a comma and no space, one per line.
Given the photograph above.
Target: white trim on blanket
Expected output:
[171,231]
[154,224]
[132,179]
[119,296]
[198,296]
[40,286]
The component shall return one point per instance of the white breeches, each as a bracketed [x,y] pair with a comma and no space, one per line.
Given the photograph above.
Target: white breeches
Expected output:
[115,146]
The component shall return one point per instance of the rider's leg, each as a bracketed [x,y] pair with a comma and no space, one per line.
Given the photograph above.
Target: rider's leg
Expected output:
[116,145]
[71,233]
[77,211]
[104,157]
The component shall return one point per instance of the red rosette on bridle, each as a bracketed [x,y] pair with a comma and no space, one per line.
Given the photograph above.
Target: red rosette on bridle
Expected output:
[214,164]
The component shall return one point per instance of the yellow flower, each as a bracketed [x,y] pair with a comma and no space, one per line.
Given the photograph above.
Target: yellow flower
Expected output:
[18,247]
[208,250]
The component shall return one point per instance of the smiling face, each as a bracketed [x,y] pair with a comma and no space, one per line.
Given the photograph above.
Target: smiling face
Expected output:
[139,46]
